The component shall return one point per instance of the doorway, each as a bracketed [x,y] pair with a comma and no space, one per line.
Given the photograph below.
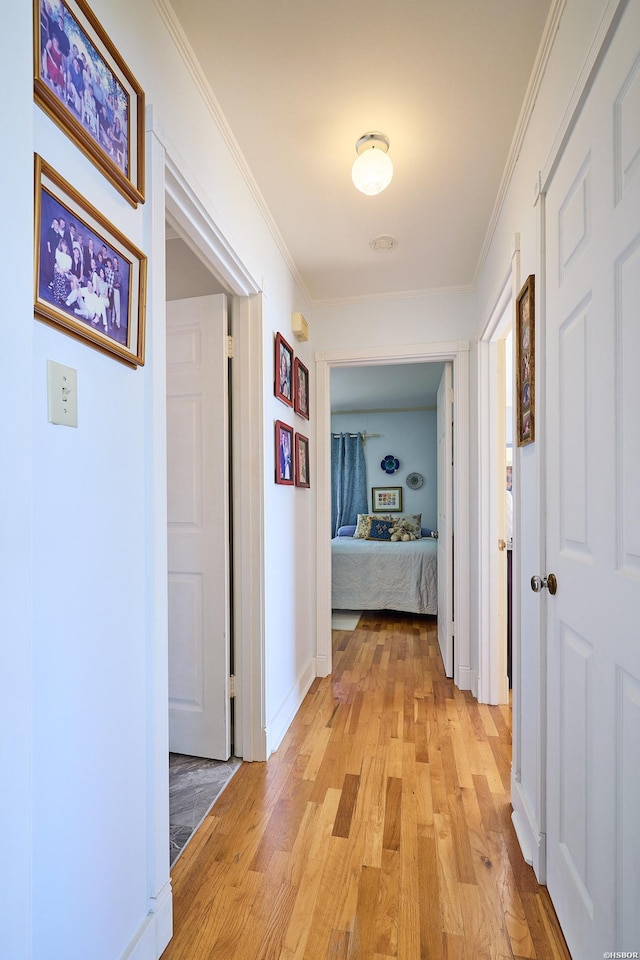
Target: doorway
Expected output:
[199,513]
[497,600]
[457,353]
[395,408]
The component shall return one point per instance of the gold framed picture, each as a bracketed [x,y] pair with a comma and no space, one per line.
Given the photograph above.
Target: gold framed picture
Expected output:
[81,81]
[89,279]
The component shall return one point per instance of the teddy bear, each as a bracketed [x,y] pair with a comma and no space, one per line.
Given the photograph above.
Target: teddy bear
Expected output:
[402,530]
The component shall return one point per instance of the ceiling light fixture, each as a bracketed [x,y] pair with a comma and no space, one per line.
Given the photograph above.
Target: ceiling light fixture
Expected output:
[372,169]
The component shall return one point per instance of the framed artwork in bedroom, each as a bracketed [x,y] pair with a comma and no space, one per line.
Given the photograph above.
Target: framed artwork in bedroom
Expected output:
[386,499]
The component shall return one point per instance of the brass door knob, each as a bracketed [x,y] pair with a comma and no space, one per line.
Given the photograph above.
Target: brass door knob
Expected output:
[550,582]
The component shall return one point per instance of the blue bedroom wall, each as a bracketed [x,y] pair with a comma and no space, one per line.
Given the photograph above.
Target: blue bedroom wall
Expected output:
[411,437]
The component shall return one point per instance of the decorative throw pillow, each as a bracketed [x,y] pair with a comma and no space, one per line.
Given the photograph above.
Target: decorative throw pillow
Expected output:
[380,529]
[413,524]
[363,525]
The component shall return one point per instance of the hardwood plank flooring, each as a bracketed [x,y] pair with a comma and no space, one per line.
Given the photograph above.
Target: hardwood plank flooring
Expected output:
[380,828]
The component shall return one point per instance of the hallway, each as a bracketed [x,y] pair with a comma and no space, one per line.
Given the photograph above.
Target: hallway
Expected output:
[380,828]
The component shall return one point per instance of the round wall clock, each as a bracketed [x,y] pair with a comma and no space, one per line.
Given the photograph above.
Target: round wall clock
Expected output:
[415,481]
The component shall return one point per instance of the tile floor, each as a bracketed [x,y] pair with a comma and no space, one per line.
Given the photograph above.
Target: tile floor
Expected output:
[194,785]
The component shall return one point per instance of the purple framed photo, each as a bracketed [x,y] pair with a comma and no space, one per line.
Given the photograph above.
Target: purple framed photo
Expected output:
[89,279]
[284,453]
[85,86]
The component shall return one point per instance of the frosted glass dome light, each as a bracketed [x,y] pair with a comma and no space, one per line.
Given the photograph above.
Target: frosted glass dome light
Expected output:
[372,169]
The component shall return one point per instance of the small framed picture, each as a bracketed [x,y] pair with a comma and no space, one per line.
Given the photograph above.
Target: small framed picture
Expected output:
[85,86]
[525,363]
[302,461]
[386,499]
[89,279]
[283,363]
[301,389]
[284,453]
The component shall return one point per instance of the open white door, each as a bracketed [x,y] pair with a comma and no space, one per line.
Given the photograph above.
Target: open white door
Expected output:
[593,512]
[445,518]
[198,527]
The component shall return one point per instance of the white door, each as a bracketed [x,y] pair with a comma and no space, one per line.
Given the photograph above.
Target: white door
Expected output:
[445,518]
[198,527]
[592,446]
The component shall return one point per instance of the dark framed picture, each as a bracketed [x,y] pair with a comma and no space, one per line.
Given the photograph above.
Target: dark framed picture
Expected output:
[300,389]
[283,363]
[89,279]
[302,461]
[85,86]
[386,499]
[525,363]
[284,453]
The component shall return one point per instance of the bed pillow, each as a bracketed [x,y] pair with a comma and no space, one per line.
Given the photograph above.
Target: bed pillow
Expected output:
[430,534]
[380,529]
[363,525]
[347,531]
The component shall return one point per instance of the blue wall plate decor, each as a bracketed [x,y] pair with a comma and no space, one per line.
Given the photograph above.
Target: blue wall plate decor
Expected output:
[390,464]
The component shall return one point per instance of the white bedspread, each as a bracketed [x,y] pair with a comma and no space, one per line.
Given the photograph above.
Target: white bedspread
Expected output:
[374,575]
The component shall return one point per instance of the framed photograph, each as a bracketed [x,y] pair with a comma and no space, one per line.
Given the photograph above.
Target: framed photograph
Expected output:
[284,453]
[89,279]
[300,389]
[283,364]
[85,86]
[386,499]
[525,363]
[302,461]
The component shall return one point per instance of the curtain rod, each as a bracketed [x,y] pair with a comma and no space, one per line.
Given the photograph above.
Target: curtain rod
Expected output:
[365,435]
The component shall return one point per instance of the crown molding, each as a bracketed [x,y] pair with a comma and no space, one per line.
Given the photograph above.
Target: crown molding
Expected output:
[188,56]
[537,74]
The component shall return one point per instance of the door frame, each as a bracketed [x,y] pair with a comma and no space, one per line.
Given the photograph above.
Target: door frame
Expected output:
[458,353]
[492,674]
[188,215]
[168,193]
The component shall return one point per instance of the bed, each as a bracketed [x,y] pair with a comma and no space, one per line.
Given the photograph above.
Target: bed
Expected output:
[374,575]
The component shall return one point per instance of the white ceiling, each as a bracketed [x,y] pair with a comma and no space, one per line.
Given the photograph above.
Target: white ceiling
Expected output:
[299,82]
[387,387]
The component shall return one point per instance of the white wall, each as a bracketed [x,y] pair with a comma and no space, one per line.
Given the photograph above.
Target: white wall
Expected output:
[519,216]
[411,437]
[16,492]
[80,718]
[433,318]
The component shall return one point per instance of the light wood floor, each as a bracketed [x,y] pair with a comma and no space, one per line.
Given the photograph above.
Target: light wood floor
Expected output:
[380,828]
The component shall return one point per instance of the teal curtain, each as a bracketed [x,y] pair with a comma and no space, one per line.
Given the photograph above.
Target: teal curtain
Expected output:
[348,479]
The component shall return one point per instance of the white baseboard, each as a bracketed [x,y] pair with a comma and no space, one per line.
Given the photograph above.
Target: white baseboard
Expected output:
[282,720]
[156,929]
[533,842]
[465,678]
[322,665]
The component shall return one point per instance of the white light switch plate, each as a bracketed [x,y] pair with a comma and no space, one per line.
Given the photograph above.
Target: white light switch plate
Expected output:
[62,389]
